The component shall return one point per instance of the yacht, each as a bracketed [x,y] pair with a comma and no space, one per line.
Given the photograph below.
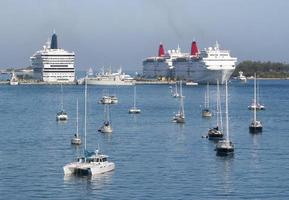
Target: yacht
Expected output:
[225,147]
[13,79]
[180,116]
[62,115]
[216,133]
[108,99]
[91,163]
[134,109]
[241,77]
[255,126]
[76,139]
[206,112]
[106,127]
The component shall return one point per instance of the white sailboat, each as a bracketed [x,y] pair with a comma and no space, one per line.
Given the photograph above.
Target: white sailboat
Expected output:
[256,101]
[225,147]
[180,116]
[206,112]
[91,163]
[255,126]
[216,133]
[106,127]
[62,115]
[76,139]
[134,109]
[13,79]
[176,93]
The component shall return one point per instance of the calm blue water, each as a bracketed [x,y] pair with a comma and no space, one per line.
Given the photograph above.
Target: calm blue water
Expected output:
[155,159]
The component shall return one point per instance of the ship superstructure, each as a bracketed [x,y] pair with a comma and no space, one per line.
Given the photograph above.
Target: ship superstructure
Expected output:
[53,64]
[206,66]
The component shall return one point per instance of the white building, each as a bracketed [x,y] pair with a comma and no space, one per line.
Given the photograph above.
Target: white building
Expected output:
[52,64]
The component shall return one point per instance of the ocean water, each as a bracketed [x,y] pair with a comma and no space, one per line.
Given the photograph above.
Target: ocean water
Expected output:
[155,158]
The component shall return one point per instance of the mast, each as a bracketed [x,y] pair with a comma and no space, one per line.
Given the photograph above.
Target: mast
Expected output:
[134,97]
[85,107]
[61,97]
[182,100]
[255,99]
[208,96]
[218,111]
[77,118]
[227,115]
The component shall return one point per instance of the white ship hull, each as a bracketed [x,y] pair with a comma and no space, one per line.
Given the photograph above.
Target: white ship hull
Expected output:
[95,81]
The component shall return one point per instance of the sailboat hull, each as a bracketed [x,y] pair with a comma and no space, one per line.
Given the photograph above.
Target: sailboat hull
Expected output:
[254,129]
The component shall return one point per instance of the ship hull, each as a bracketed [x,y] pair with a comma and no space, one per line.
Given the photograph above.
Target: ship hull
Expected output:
[92,81]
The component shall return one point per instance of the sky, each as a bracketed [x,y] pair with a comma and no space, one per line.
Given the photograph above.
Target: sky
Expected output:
[123,32]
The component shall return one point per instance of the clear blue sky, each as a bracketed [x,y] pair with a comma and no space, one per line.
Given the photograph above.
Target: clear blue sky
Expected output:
[123,32]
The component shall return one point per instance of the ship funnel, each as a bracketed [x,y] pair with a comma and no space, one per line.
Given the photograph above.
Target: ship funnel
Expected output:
[53,44]
[194,49]
[161,50]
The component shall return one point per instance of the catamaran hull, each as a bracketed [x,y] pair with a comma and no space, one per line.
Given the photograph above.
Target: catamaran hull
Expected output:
[87,169]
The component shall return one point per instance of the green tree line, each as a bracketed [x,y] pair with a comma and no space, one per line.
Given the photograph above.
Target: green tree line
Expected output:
[263,69]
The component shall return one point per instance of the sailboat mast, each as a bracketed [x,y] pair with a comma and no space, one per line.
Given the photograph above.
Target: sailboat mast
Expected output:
[182,99]
[227,115]
[208,96]
[134,97]
[217,107]
[61,97]
[85,107]
[255,99]
[77,117]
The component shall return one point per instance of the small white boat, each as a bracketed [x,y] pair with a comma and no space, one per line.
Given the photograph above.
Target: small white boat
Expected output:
[241,77]
[191,83]
[62,115]
[108,100]
[134,109]
[180,116]
[206,112]
[106,127]
[13,79]
[76,139]
[91,163]
[255,102]
[255,126]
[225,147]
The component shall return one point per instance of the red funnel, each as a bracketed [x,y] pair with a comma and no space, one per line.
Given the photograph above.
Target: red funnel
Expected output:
[161,50]
[194,49]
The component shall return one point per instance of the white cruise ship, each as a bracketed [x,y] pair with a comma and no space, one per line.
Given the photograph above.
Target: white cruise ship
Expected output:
[206,66]
[53,64]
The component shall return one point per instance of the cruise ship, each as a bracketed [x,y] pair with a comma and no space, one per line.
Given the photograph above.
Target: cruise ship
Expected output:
[205,66]
[53,64]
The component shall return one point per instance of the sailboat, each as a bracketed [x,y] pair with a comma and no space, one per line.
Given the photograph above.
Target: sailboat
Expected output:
[76,139]
[13,79]
[225,147]
[216,133]
[206,112]
[256,101]
[255,126]
[106,127]
[134,109]
[62,115]
[91,163]
[180,116]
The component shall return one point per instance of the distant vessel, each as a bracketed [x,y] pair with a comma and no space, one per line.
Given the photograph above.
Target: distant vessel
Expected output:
[52,64]
[91,163]
[180,115]
[208,65]
[106,127]
[216,133]
[255,126]
[134,109]
[225,147]
[62,115]
[76,139]
[13,79]
[256,100]
[175,93]
[206,112]
[191,83]
[241,77]
[109,78]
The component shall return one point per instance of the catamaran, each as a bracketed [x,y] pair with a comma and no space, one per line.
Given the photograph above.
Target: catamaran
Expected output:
[91,163]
